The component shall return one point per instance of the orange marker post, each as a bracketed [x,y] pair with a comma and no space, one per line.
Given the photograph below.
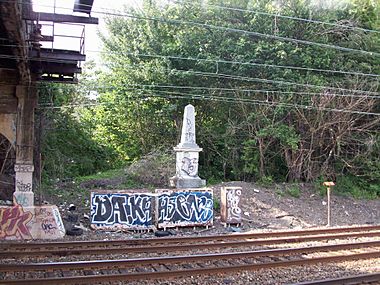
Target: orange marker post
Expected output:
[328,185]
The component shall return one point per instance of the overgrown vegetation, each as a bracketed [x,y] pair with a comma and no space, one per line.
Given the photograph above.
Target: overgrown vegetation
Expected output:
[255,122]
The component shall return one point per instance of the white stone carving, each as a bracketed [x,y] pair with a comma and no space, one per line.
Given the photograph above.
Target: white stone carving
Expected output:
[187,155]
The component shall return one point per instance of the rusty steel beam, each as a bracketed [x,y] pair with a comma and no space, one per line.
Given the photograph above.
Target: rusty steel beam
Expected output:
[59,18]
[57,55]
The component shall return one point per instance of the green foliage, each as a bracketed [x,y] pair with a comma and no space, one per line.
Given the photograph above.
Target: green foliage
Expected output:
[356,187]
[108,174]
[293,190]
[216,206]
[246,133]
[67,147]
[265,181]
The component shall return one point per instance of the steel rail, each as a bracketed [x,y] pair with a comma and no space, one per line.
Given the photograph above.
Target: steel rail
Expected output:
[122,263]
[352,280]
[91,279]
[182,247]
[7,245]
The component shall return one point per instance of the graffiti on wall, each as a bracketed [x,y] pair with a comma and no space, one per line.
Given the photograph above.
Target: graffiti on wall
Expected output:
[13,222]
[190,166]
[185,208]
[23,187]
[121,210]
[47,221]
[233,204]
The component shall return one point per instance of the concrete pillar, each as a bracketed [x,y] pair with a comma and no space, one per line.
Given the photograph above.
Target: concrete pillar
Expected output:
[27,98]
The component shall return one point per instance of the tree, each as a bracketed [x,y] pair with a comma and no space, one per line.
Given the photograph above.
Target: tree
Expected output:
[168,55]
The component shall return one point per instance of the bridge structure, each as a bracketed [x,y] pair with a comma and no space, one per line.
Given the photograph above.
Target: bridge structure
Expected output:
[29,55]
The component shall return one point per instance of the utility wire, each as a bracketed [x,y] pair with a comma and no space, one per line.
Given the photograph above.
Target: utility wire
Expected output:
[175,95]
[234,90]
[286,17]
[251,33]
[242,90]
[216,61]
[248,11]
[254,79]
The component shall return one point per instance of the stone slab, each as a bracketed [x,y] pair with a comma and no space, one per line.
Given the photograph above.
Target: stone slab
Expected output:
[187,182]
[26,223]
[184,207]
[230,205]
[122,210]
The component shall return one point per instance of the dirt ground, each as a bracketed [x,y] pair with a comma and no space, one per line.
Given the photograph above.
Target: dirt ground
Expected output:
[263,208]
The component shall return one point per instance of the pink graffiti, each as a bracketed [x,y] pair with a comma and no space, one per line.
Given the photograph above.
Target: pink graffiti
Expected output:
[13,222]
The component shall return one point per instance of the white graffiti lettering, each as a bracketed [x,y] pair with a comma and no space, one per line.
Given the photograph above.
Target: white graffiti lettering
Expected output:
[194,207]
[123,209]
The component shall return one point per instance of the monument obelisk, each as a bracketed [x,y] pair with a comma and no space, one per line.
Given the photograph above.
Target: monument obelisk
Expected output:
[187,155]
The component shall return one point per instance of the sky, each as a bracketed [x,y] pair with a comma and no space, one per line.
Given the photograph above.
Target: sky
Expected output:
[62,31]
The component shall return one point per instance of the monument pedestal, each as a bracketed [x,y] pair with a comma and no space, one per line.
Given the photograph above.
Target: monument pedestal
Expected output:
[187,155]
[188,182]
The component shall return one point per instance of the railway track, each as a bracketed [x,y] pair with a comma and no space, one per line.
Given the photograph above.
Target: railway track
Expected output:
[177,244]
[188,264]
[351,280]
[89,272]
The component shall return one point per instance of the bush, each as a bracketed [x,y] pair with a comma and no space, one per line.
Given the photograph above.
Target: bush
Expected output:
[154,168]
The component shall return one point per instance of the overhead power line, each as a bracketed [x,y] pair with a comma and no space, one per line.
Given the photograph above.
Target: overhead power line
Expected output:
[235,30]
[228,29]
[255,79]
[222,61]
[177,95]
[216,61]
[288,17]
[256,12]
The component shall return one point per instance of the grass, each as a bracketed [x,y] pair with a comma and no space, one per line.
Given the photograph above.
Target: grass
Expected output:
[293,190]
[109,174]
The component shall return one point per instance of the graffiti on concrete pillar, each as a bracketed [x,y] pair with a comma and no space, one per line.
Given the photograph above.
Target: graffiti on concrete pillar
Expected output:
[185,208]
[24,168]
[121,210]
[23,187]
[13,222]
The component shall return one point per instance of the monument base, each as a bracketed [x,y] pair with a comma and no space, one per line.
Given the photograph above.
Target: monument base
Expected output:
[188,182]
[33,222]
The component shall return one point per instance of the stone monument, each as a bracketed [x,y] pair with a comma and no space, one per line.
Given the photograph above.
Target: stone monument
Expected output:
[187,154]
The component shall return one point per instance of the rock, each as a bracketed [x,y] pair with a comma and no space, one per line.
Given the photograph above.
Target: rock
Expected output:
[324,203]
[73,218]
[256,190]
[234,229]
[74,231]
[72,207]
[162,233]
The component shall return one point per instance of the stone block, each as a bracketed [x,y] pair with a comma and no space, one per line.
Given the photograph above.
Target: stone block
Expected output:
[184,207]
[230,205]
[122,210]
[35,222]
[25,199]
